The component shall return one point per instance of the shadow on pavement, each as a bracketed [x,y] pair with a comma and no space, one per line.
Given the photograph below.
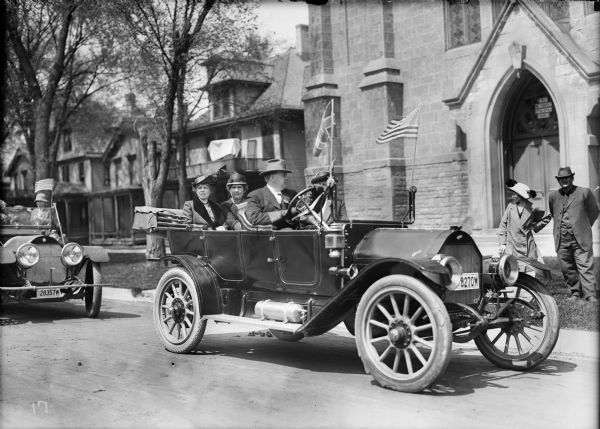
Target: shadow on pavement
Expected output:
[17,314]
[325,353]
[466,374]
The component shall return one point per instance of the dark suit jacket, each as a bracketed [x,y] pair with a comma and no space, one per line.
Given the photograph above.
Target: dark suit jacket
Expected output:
[582,207]
[261,201]
[203,218]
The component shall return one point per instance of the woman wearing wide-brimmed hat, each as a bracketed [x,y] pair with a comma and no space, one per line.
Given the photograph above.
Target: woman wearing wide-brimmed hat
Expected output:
[236,205]
[520,221]
[201,210]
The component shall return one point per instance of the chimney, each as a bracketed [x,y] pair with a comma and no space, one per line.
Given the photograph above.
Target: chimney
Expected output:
[303,41]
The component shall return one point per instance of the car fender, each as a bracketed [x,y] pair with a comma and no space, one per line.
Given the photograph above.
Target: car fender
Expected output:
[428,271]
[205,280]
[7,255]
[96,253]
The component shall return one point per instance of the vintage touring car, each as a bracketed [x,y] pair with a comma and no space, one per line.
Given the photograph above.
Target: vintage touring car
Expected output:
[37,266]
[406,294]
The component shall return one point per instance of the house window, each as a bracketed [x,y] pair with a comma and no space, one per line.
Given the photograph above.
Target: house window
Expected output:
[67,145]
[64,173]
[558,11]
[106,175]
[463,23]
[117,164]
[81,170]
[23,179]
[131,168]
[591,7]
[497,6]
[268,151]
[221,102]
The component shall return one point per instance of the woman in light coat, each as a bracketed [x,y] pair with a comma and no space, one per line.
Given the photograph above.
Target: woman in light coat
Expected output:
[519,222]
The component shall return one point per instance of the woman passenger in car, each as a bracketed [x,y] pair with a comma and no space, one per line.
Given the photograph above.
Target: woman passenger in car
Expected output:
[235,207]
[201,210]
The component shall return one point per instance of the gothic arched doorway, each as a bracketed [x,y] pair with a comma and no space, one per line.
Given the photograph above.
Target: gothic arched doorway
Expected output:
[530,135]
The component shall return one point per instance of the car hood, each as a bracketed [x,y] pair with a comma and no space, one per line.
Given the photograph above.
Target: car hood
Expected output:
[406,243]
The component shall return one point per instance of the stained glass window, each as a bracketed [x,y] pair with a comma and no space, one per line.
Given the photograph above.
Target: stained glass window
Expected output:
[463,22]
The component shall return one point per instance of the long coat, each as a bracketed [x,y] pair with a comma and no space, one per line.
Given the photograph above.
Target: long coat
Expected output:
[202,217]
[582,209]
[516,231]
[261,201]
[232,211]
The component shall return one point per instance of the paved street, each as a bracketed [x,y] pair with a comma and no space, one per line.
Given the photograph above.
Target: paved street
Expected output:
[60,369]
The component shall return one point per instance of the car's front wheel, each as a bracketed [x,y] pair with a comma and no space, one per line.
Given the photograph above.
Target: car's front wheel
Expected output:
[92,296]
[177,311]
[529,328]
[403,333]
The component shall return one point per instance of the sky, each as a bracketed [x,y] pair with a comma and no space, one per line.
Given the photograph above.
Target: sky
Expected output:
[279,19]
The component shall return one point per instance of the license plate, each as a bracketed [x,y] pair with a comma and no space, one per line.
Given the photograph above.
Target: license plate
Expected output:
[469,281]
[48,293]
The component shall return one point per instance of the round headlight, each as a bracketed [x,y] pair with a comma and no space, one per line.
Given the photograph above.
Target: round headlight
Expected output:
[72,254]
[454,269]
[508,269]
[28,255]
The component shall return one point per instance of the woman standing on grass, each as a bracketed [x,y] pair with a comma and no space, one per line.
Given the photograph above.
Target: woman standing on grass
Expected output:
[519,222]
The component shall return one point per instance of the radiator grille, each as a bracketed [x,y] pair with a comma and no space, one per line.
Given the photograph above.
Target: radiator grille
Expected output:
[49,258]
[467,254]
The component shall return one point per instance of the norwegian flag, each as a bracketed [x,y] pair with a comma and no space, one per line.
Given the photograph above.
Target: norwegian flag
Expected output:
[407,127]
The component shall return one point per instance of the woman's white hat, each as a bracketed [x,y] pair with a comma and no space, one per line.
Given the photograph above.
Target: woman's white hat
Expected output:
[520,189]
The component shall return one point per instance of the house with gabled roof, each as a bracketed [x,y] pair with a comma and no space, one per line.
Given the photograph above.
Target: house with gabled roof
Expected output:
[255,113]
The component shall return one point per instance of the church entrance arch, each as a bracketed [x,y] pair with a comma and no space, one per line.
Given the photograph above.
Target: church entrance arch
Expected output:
[529,138]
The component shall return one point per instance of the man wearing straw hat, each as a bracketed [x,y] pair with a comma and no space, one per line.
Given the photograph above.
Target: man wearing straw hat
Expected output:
[574,209]
[269,204]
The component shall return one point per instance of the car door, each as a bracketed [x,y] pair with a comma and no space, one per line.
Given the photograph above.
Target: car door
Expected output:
[298,259]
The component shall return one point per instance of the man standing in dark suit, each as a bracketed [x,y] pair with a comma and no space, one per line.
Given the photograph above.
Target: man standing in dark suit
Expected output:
[269,204]
[574,210]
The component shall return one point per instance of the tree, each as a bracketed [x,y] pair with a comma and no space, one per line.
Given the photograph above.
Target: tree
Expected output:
[60,52]
[171,36]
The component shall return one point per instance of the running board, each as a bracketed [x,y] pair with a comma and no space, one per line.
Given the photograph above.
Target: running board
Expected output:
[265,324]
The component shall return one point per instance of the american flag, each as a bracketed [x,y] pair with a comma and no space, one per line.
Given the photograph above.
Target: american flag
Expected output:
[325,133]
[407,127]
[44,185]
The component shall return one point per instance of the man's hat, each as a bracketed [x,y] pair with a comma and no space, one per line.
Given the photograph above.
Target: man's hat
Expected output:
[274,165]
[520,189]
[236,179]
[203,180]
[564,172]
[43,196]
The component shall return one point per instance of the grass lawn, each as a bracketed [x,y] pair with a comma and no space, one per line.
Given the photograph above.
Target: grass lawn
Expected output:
[130,271]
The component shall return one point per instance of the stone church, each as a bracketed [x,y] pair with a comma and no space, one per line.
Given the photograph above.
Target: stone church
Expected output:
[506,89]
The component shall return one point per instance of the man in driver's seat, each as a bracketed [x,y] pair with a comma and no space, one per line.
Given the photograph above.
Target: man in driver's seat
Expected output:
[269,204]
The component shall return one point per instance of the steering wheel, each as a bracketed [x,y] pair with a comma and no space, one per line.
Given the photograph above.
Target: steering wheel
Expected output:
[304,207]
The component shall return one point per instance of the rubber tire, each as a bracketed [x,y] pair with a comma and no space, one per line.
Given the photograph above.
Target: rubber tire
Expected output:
[548,342]
[286,335]
[438,360]
[198,326]
[92,296]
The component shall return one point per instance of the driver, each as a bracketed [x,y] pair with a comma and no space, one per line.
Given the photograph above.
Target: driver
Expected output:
[269,204]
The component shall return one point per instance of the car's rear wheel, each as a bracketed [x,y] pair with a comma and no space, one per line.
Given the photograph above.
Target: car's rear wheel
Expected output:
[403,333]
[286,335]
[92,296]
[177,312]
[531,326]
